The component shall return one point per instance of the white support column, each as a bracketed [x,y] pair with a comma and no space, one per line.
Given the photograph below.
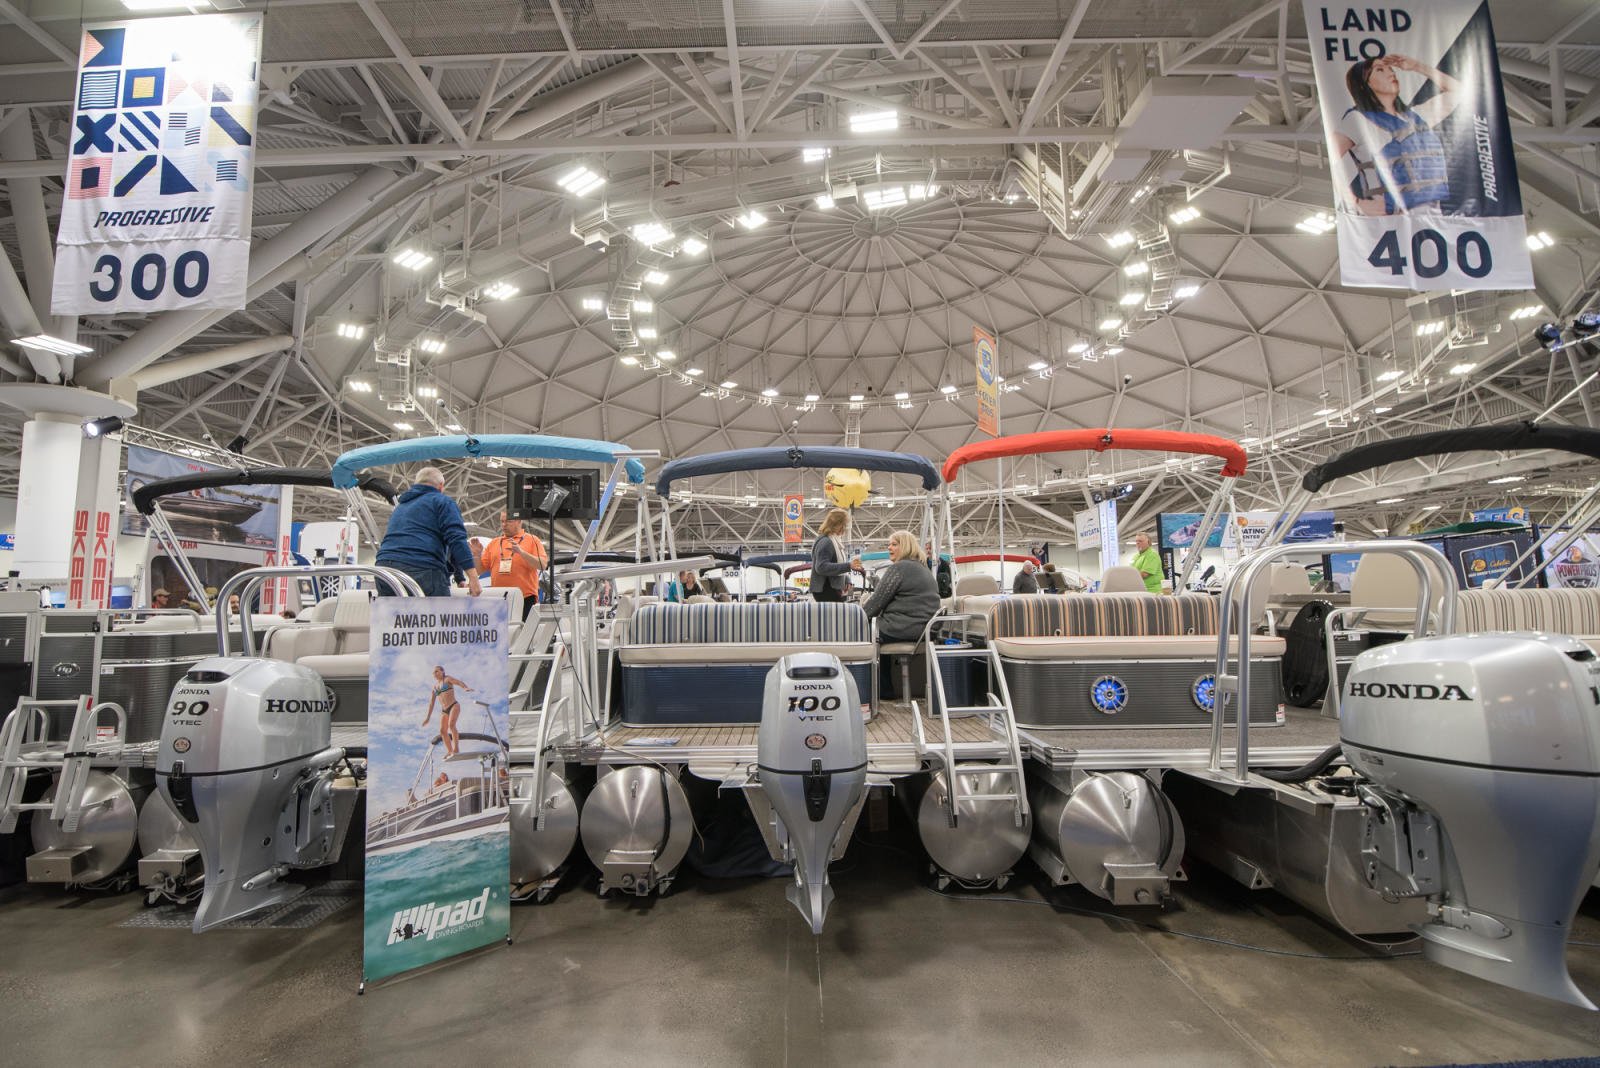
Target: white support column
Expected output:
[67,507]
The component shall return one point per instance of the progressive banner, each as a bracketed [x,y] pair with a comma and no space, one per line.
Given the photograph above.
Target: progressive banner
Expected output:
[438,788]
[1425,183]
[156,211]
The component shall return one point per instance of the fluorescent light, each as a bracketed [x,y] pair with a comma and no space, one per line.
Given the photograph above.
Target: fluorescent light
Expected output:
[1379,409]
[694,372]
[644,304]
[752,219]
[666,355]
[1114,350]
[857,397]
[580,181]
[812,155]
[1390,375]
[51,343]
[1185,291]
[1540,240]
[1461,368]
[824,202]
[887,196]
[500,291]
[1183,215]
[812,398]
[360,385]
[729,384]
[593,303]
[649,333]
[1391,500]
[1504,479]
[768,392]
[1324,411]
[1134,270]
[353,331]
[654,278]
[1526,311]
[411,259]
[1128,300]
[431,345]
[1110,322]
[404,426]
[902,395]
[692,246]
[874,121]
[1319,223]
[947,389]
[651,233]
[630,361]
[1121,239]
[1037,365]
[1078,346]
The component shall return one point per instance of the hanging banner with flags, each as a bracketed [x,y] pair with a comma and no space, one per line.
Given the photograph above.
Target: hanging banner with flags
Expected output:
[156,211]
[1424,180]
[793,529]
[986,358]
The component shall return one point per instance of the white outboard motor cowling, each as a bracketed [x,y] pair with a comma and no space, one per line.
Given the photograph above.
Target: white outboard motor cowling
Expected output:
[1483,753]
[245,762]
[811,756]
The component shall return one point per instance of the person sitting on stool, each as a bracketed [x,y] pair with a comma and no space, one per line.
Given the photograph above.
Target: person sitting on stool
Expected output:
[906,598]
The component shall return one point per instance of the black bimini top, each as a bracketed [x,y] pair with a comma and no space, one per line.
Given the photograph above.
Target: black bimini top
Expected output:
[146,496]
[1495,437]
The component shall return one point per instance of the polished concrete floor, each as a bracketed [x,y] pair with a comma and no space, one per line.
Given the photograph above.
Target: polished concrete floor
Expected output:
[724,972]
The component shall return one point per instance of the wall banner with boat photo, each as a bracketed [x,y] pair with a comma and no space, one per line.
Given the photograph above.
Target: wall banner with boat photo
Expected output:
[438,790]
[1424,180]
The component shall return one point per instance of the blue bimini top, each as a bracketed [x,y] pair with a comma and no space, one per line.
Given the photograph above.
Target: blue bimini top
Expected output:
[462,447]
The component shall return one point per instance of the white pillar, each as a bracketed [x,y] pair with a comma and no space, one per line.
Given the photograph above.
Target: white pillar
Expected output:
[67,507]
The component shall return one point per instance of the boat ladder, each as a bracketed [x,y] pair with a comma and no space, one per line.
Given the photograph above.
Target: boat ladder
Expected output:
[547,648]
[963,761]
[25,745]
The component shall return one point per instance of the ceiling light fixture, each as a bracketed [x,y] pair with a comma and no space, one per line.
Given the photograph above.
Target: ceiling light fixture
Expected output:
[752,219]
[902,395]
[1506,480]
[1432,326]
[1390,375]
[1319,223]
[630,361]
[654,278]
[580,181]
[1121,239]
[1037,365]
[1379,409]
[643,304]
[1461,368]
[666,355]
[887,196]
[352,331]
[1110,322]
[651,233]
[427,392]
[729,384]
[691,246]
[1077,347]
[1114,350]
[1185,291]
[404,426]
[1527,311]
[1183,215]
[412,259]
[1128,300]
[947,389]
[1248,441]
[1134,270]
[812,398]
[813,155]
[1325,411]
[856,398]
[500,291]
[824,202]
[99,428]
[768,392]
[432,345]
[1540,241]
[593,303]
[694,372]
[51,343]
[649,333]
[1391,500]
[360,385]
[874,121]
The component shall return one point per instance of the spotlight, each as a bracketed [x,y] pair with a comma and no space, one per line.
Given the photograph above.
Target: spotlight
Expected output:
[99,428]
[236,446]
[1548,335]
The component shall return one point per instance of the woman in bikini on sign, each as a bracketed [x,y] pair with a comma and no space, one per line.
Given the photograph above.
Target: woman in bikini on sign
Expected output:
[443,694]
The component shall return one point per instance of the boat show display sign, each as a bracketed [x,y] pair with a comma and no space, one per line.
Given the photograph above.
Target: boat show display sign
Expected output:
[156,211]
[438,789]
[1424,180]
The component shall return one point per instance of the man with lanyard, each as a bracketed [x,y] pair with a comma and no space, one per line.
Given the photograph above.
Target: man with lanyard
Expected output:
[514,559]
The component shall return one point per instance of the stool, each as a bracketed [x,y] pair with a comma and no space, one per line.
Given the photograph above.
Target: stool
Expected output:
[904,652]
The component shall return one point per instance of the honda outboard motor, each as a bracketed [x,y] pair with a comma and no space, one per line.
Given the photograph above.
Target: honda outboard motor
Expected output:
[245,761]
[811,756]
[1483,753]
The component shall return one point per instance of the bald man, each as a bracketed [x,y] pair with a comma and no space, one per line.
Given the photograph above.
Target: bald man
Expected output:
[427,540]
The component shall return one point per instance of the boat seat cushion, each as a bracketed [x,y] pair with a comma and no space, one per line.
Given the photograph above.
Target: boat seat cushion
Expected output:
[740,653]
[338,665]
[1575,612]
[1188,646]
[718,623]
[1127,615]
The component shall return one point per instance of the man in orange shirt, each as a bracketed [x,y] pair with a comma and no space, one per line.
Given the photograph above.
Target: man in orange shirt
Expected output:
[514,559]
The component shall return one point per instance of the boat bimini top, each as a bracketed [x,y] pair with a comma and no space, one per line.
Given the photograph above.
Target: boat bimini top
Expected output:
[798,457]
[625,463]
[1521,436]
[1099,440]
[147,502]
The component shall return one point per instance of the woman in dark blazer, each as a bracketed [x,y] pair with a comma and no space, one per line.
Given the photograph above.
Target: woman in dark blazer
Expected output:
[830,566]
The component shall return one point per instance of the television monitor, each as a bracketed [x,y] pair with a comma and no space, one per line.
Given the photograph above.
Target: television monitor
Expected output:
[552,493]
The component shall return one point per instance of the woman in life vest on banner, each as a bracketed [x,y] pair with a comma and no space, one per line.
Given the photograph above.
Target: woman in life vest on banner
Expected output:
[1392,160]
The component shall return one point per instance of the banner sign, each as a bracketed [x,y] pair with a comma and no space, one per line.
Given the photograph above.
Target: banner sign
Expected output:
[438,789]
[1087,525]
[1514,513]
[1577,569]
[1177,530]
[156,212]
[1108,535]
[1415,118]
[793,527]
[986,359]
[1241,531]
[247,516]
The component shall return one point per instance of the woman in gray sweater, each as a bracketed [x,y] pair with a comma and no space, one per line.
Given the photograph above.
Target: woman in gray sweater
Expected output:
[907,595]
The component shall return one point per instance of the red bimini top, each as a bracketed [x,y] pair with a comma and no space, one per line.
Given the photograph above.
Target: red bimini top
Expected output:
[989,558]
[1231,452]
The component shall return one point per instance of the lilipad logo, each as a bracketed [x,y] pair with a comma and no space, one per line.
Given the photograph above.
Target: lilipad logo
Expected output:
[1409,691]
[433,919]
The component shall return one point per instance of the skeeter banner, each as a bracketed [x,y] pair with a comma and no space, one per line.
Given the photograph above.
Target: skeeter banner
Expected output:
[1424,179]
[792,529]
[156,211]
[438,792]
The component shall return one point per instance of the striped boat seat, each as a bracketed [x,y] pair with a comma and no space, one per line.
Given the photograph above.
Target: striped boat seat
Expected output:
[729,623]
[1125,615]
[1575,612]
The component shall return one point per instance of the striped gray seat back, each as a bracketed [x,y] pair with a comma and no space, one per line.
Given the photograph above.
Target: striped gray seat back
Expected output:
[1559,611]
[719,622]
[1103,615]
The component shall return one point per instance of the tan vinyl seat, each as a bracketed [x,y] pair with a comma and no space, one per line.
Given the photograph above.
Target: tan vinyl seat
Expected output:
[342,649]
[976,586]
[1385,586]
[1122,578]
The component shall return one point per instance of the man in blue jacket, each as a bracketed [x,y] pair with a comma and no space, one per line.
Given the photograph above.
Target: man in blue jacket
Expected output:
[427,539]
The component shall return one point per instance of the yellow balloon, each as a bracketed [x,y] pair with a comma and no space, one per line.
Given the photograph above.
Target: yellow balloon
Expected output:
[846,487]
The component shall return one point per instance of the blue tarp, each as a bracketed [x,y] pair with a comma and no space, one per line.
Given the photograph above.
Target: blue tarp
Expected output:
[779,457]
[459,447]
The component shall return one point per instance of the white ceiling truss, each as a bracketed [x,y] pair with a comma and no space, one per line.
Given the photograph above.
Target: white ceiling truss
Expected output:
[450,125]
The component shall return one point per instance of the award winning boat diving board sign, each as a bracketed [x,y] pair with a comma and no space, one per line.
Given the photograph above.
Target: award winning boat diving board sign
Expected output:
[438,878]
[1424,180]
[156,211]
